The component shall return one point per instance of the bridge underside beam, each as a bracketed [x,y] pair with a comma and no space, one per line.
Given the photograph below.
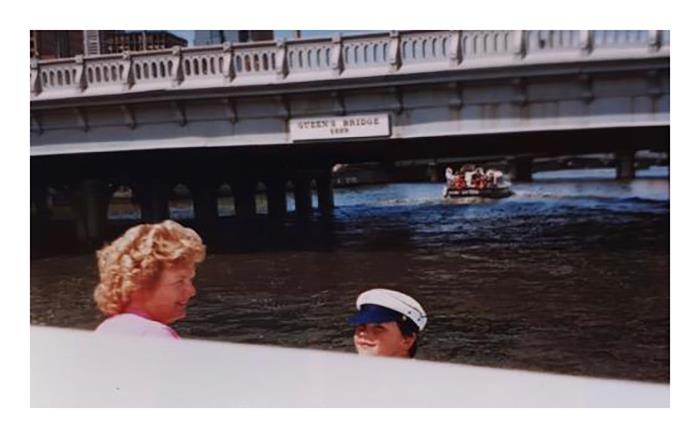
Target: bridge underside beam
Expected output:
[58,168]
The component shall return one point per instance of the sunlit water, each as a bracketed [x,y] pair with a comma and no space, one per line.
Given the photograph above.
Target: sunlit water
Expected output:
[571,275]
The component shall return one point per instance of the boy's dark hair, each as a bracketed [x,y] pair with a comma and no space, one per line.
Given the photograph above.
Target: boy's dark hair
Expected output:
[407,328]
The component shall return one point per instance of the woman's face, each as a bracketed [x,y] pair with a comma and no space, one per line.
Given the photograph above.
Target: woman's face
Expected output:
[166,301]
[383,339]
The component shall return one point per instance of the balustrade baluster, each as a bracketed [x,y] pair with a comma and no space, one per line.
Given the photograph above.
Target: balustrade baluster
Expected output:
[394,50]
[455,48]
[282,68]
[654,40]
[80,83]
[35,76]
[520,43]
[586,41]
[337,62]
[178,75]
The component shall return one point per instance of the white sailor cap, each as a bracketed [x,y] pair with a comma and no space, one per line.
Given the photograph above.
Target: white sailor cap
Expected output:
[384,305]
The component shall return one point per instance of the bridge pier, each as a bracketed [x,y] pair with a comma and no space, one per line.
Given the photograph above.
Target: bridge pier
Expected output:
[276,197]
[303,203]
[521,169]
[41,215]
[324,190]
[624,165]
[433,173]
[90,201]
[39,194]
[152,197]
[204,200]
[244,197]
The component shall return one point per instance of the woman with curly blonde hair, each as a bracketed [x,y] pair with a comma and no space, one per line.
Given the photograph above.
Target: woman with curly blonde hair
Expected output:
[146,279]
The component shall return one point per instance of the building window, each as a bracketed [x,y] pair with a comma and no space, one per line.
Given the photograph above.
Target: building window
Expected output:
[62,44]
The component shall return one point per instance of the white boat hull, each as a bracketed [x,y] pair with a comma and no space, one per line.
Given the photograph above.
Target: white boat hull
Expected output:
[73,368]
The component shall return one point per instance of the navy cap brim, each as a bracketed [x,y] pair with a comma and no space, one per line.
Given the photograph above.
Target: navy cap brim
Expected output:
[374,314]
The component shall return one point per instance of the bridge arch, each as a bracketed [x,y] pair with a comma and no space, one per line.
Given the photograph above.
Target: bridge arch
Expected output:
[225,202]
[180,202]
[122,204]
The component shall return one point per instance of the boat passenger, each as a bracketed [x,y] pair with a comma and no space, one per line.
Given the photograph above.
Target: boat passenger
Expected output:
[478,178]
[449,175]
[449,180]
[490,178]
[466,168]
[468,171]
[387,324]
[494,177]
[146,279]
[459,182]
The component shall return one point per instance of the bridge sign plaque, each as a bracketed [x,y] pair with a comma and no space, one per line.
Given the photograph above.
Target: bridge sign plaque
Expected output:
[322,128]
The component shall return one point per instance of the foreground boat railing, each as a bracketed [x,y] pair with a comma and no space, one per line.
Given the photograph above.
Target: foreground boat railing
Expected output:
[80,369]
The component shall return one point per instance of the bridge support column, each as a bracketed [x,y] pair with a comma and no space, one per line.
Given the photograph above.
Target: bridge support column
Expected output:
[89,201]
[521,169]
[204,200]
[302,196]
[244,197]
[624,165]
[324,189]
[152,197]
[39,194]
[276,197]
[433,173]
[40,217]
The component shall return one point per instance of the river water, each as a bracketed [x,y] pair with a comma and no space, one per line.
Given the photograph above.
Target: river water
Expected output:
[569,275]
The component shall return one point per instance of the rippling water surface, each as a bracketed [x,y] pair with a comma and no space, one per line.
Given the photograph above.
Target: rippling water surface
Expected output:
[569,275]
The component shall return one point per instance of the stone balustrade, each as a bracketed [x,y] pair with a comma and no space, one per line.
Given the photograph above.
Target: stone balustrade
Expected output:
[371,54]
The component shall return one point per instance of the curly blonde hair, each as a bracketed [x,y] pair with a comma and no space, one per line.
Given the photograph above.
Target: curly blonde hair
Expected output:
[136,259]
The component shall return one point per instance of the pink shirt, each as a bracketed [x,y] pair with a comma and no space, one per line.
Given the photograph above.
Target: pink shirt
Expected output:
[135,323]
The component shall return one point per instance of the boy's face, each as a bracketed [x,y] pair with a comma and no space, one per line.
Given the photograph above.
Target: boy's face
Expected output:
[382,339]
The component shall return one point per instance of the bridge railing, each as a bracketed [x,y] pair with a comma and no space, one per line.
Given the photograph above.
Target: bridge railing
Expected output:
[307,59]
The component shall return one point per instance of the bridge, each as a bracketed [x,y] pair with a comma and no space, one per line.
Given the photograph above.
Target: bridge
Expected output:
[281,113]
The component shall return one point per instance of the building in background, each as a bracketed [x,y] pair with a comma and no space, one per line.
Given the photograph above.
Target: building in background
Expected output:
[210,37]
[53,44]
[119,41]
